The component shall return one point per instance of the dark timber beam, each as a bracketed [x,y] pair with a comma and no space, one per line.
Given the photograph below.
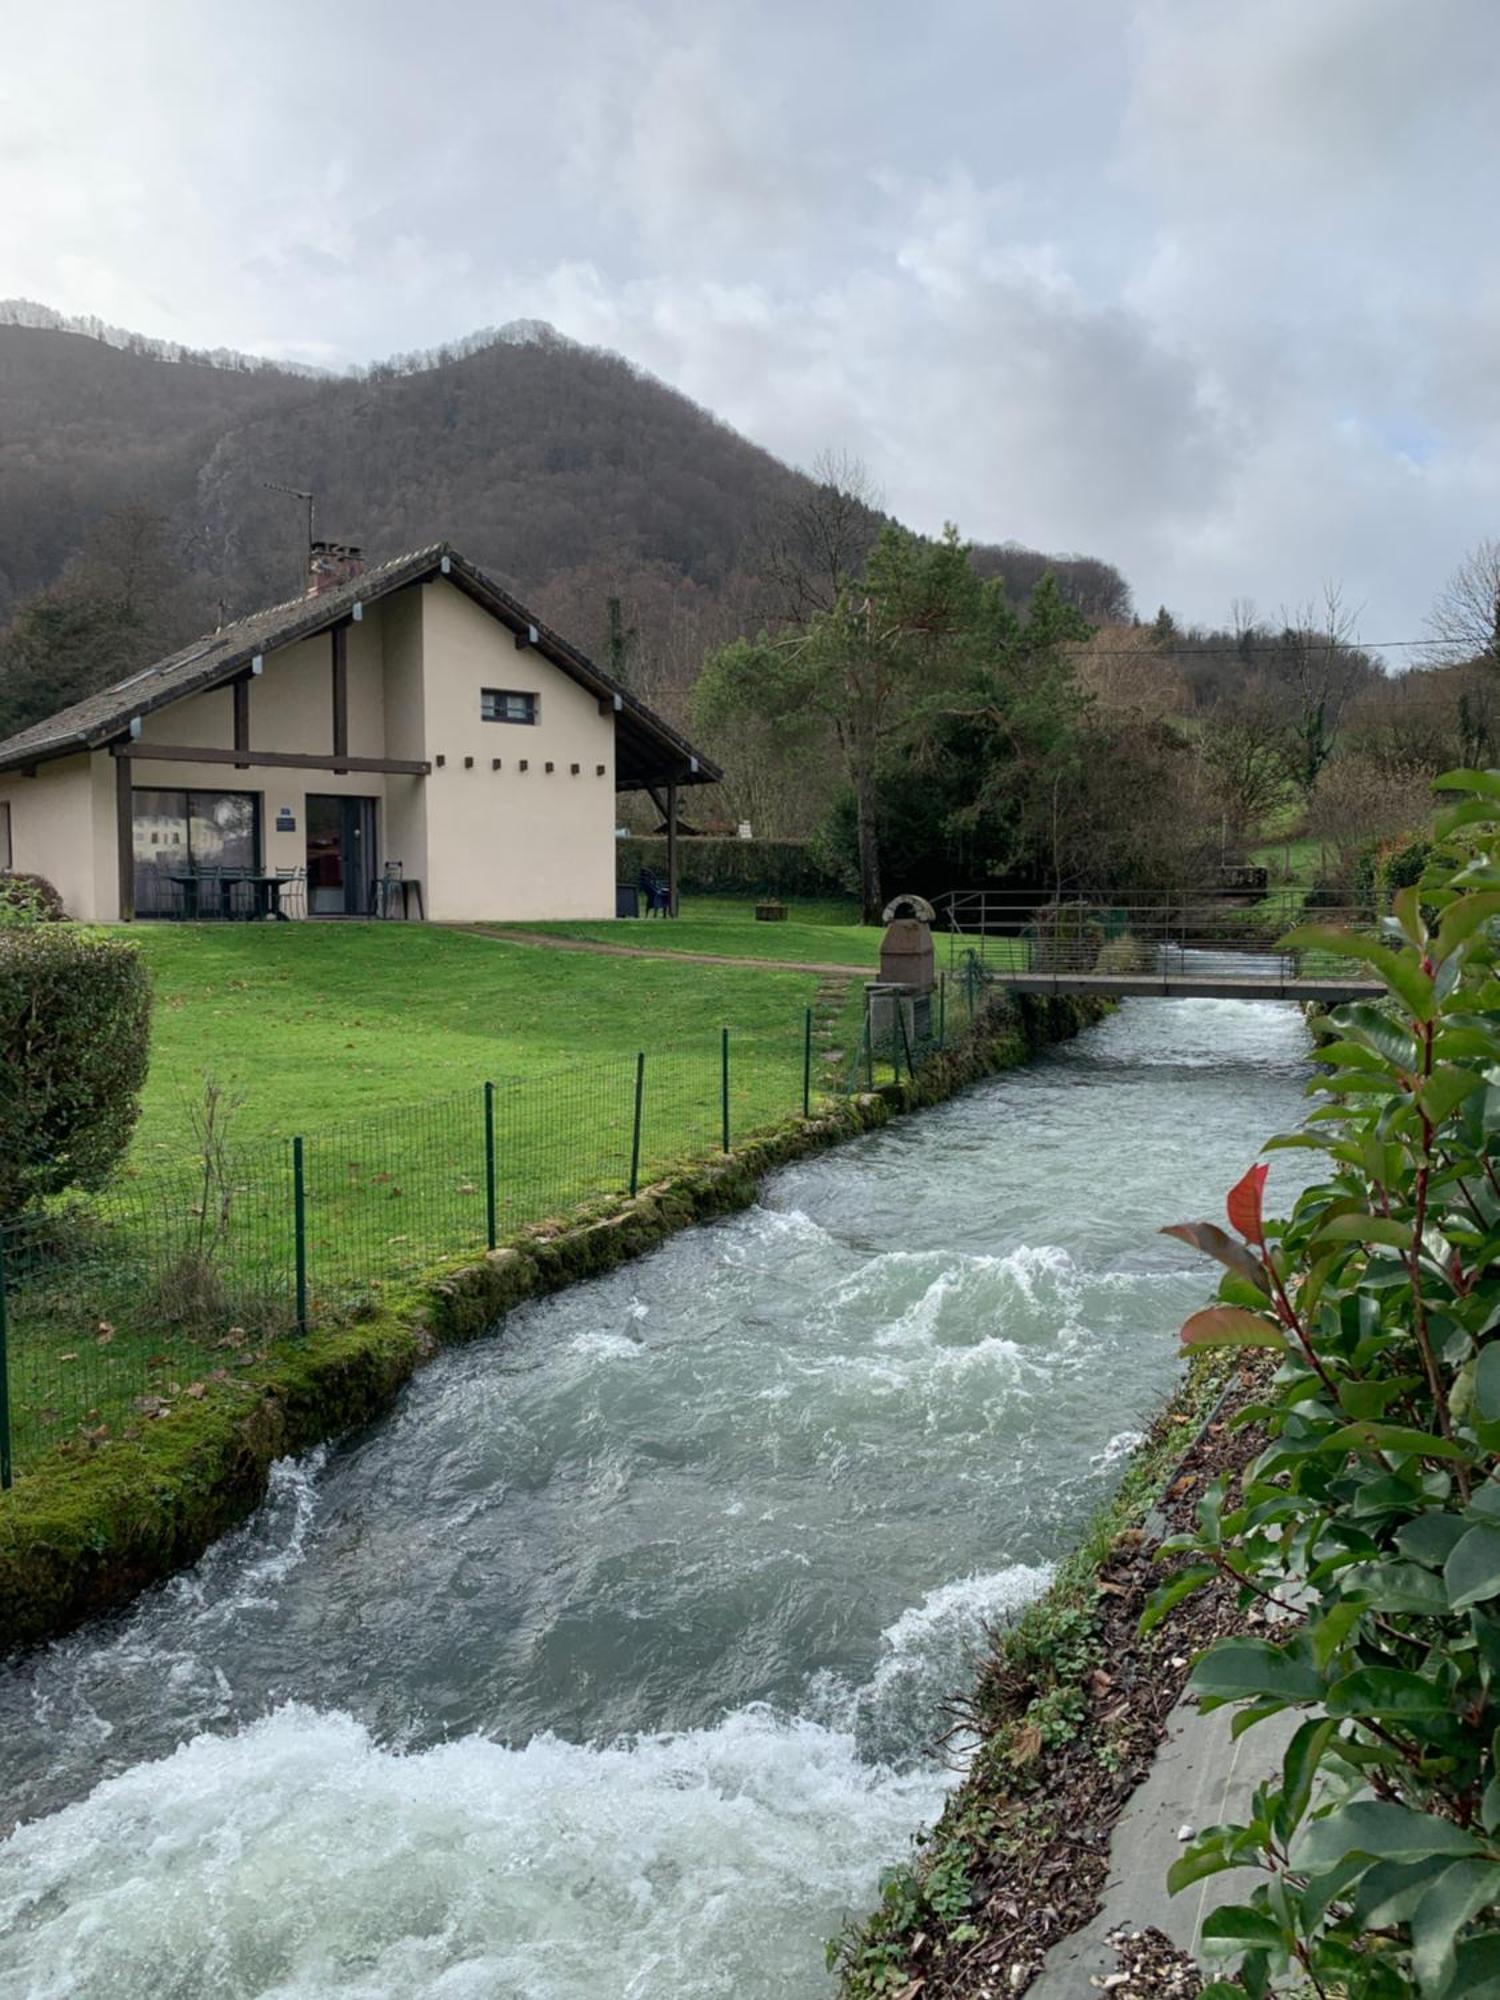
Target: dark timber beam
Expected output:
[125,839]
[242,717]
[286,760]
[340,636]
[672,847]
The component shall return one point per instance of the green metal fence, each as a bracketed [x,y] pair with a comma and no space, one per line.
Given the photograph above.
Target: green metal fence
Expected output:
[175,1281]
[897,1035]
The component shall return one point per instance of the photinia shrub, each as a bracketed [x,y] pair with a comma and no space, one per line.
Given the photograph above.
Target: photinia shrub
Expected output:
[1368,1529]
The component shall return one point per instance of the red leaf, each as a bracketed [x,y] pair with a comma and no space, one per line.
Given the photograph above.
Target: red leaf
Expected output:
[1208,1237]
[1243,1205]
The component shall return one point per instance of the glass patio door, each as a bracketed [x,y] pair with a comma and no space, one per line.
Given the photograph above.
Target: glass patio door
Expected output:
[340,854]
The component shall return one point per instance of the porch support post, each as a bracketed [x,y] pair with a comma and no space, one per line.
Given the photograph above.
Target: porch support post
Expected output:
[672,846]
[242,721]
[125,839]
[340,694]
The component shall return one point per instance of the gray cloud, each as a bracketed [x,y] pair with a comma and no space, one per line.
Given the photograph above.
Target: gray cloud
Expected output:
[1212,292]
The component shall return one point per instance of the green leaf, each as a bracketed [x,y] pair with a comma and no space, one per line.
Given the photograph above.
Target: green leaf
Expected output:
[1235,1669]
[1485,783]
[1237,1923]
[1406,908]
[1476,1973]
[1383,1830]
[1363,1228]
[1373,1027]
[1172,1592]
[1197,1865]
[1462,918]
[1472,1572]
[1458,1894]
[1487,1383]
[1430,1538]
[1392,1890]
[1370,1399]
[1299,1768]
[1230,1326]
[1400,972]
[1393,1437]
[1386,1691]
[1446,1089]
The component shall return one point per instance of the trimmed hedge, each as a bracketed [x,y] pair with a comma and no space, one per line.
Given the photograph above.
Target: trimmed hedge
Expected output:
[28,899]
[75,1024]
[732,867]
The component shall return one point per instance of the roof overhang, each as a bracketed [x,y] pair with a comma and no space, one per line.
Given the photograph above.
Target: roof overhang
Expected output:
[648,750]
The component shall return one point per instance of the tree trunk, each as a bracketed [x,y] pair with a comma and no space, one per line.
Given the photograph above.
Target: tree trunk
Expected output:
[870,903]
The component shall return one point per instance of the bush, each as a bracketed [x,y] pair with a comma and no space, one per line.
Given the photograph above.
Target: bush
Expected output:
[75,1013]
[1367,1533]
[731,867]
[28,899]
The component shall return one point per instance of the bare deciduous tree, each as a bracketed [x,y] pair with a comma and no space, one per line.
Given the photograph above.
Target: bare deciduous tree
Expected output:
[814,540]
[1464,623]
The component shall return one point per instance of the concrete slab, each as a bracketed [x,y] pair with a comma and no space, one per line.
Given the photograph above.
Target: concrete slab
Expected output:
[1200,1778]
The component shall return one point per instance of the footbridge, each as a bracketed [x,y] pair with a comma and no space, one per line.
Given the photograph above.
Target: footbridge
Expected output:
[1178,945]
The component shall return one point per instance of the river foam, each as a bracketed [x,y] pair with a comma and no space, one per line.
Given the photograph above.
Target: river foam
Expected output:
[299,1859]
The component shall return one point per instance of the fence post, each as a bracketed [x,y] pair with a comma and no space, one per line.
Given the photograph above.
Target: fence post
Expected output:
[635,1133]
[299,1223]
[5,1454]
[724,1085]
[489,1164]
[869,1043]
[807,1062]
[942,1010]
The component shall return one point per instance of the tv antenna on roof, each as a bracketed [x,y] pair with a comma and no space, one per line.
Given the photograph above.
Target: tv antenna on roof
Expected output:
[294,493]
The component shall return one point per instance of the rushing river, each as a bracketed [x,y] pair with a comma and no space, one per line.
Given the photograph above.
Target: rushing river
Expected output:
[608,1667]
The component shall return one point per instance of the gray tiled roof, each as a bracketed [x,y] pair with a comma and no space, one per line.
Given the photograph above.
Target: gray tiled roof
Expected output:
[208,662]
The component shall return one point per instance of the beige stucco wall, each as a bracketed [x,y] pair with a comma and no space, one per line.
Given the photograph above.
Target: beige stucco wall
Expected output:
[483,842]
[511,843]
[52,831]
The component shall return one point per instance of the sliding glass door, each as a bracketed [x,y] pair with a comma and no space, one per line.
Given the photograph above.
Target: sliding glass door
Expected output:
[179,835]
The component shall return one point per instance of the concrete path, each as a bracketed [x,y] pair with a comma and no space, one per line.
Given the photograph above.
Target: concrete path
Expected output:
[1200,1777]
[541,940]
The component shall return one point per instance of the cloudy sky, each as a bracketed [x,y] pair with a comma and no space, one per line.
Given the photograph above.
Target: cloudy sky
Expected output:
[1210,288]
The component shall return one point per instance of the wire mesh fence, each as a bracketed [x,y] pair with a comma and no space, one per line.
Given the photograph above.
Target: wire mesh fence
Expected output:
[172,1284]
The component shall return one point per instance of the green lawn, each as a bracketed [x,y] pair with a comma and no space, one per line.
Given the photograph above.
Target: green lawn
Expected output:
[373,1042]
[313,1026]
[815,933]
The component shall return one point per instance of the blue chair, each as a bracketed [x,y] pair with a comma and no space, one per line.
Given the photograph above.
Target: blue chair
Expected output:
[655,891]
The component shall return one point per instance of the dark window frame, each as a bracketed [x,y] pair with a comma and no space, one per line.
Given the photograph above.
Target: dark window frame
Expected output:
[491,699]
[7,851]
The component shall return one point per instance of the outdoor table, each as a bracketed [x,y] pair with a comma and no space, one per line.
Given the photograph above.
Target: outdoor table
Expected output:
[265,889]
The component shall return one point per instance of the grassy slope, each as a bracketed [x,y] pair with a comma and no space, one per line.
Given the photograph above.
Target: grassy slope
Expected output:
[323,1024]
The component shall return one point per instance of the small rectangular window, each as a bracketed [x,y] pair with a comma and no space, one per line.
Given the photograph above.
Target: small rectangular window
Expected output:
[507,705]
[4,839]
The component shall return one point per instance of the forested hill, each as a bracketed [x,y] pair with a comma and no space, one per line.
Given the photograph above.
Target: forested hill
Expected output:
[572,475]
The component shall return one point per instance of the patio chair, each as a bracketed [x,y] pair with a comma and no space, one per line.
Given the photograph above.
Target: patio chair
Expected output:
[291,897]
[657,896]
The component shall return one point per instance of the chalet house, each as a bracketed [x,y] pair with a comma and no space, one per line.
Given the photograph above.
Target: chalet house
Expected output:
[403,738]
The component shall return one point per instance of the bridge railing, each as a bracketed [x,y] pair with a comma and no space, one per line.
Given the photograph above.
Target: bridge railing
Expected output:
[1172,934]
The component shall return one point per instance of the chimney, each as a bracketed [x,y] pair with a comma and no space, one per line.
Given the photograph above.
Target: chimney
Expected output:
[331,563]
